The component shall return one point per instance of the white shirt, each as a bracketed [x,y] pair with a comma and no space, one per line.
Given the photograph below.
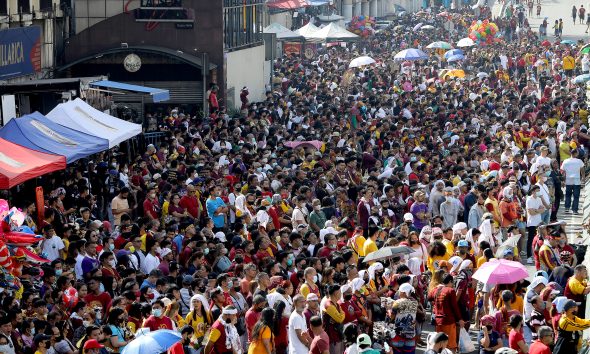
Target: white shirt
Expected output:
[151,262]
[296,321]
[572,167]
[78,266]
[533,203]
[52,246]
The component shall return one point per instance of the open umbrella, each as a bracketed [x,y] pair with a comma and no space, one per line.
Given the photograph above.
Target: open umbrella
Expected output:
[456,57]
[568,42]
[417,27]
[361,61]
[501,271]
[581,78]
[152,342]
[387,252]
[482,75]
[411,54]
[585,50]
[439,45]
[466,42]
[454,73]
[452,52]
[427,27]
[546,43]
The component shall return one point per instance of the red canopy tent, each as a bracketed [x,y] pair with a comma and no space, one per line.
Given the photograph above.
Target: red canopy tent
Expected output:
[287,4]
[19,164]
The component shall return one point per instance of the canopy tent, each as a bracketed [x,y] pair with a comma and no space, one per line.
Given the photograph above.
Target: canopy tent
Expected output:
[330,18]
[281,31]
[19,164]
[80,116]
[287,4]
[333,32]
[308,30]
[36,132]
[158,95]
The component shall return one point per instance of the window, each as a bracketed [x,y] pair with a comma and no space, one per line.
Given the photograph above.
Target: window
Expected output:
[45,5]
[242,21]
[3,7]
[24,6]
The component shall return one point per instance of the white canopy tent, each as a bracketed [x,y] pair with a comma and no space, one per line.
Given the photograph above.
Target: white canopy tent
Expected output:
[80,116]
[282,32]
[307,31]
[333,32]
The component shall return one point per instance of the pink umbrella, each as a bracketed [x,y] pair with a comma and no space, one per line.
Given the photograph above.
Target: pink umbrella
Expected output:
[501,272]
[312,143]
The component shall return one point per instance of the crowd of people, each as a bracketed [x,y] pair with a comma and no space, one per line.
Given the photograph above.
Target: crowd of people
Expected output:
[249,233]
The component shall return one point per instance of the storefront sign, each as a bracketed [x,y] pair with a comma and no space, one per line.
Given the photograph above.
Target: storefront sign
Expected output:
[132,63]
[293,48]
[20,51]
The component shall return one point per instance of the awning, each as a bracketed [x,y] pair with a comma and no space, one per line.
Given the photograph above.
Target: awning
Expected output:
[80,116]
[287,4]
[19,164]
[158,95]
[36,132]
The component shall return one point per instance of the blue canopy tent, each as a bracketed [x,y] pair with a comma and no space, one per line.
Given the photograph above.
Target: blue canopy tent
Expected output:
[158,95]
[37,132]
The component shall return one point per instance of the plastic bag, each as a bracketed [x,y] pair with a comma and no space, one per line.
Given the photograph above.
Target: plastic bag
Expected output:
[465,343]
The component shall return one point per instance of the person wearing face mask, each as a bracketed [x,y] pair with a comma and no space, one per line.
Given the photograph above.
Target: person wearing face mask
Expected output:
[545,194]
[508,208]
[198,318]
[310,283]
[569,329]
[157,320]
[317,218]
[223,337]
[536,320]
[152,260]
[476,212]
[463,286]
[109,273]
[535,208]
[119,337]
[577,288]
[120,205]
[490,338]
[239,302]
[449,210]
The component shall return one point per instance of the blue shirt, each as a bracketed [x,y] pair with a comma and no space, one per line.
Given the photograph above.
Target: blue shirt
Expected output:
[212,205]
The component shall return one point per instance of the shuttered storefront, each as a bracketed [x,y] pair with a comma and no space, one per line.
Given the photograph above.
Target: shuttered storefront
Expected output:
[181,92]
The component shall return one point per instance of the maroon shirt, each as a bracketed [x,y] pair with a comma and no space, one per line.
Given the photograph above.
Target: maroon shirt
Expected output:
[320,344]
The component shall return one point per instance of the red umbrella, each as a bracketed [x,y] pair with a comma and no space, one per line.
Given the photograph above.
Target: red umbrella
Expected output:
[546,43]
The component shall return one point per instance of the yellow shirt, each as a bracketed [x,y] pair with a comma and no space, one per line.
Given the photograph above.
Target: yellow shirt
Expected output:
[257,346]
[480,261]
[305,290]
[577,287]
[583,114]
[450,247]
[568,62]
[518,304]
[197,322]
[433,262]
[369,247]
[359,244]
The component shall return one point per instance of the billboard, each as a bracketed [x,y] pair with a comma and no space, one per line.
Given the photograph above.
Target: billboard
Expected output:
[20,51]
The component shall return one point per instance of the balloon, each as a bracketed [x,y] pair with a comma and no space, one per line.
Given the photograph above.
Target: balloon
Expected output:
[361,17]
[3,205]
[26,230]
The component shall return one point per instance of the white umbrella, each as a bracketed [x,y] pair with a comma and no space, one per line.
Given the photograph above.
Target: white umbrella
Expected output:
[417,27]
[482,75]
[427,27]
[465,42]
[361,61]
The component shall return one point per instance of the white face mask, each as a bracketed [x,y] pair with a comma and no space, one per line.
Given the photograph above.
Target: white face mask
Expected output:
[112,263]
[315,278]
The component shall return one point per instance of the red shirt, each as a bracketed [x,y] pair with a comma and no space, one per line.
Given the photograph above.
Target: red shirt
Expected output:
[151,208]
[191,204]
[320,344]
[103,299]
[251,318]
[514,338]
[537,347]
[155,323]
[274,215]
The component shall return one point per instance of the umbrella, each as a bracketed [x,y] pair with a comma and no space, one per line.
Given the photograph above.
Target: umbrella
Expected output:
[585,50]
[427,27]
[546,43]
[501,272]
[454,73]
[456,57]
[152,342]
[466,42]
[411,54]
[581,78]
[482,75]
[568,41]
[452,52]
[387,252]
[439,45]
[360,61]
[417,27]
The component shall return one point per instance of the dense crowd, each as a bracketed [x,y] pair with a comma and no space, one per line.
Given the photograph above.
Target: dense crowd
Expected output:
[249,233]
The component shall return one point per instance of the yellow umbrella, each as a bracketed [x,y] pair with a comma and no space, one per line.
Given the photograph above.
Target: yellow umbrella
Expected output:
[454,73]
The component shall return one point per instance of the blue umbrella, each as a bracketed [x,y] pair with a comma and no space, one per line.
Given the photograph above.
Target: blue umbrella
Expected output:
[152,342]
[452,52]
[568,41]
[411,54]
[455,57]
[581,79]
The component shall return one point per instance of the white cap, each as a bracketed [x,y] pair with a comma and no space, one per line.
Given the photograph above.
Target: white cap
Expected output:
[312,297]
[220,236]
[327,231]
[456,262]
[408,217]
[165,251]
[156,176]
[406,289]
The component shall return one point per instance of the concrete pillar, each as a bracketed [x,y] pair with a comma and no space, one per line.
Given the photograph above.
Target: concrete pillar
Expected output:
[357,8]
[372,7]
[365,8]
[347,9]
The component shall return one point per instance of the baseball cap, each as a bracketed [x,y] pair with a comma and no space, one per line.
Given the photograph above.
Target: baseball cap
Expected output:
[165,251]
[40,338]
[91,344]
[363,339]
[312,297]
[569,304]
[408,217]
[508,252]
[462,243]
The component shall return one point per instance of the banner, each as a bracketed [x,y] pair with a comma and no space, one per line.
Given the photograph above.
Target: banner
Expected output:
[20,51]
[294,48]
